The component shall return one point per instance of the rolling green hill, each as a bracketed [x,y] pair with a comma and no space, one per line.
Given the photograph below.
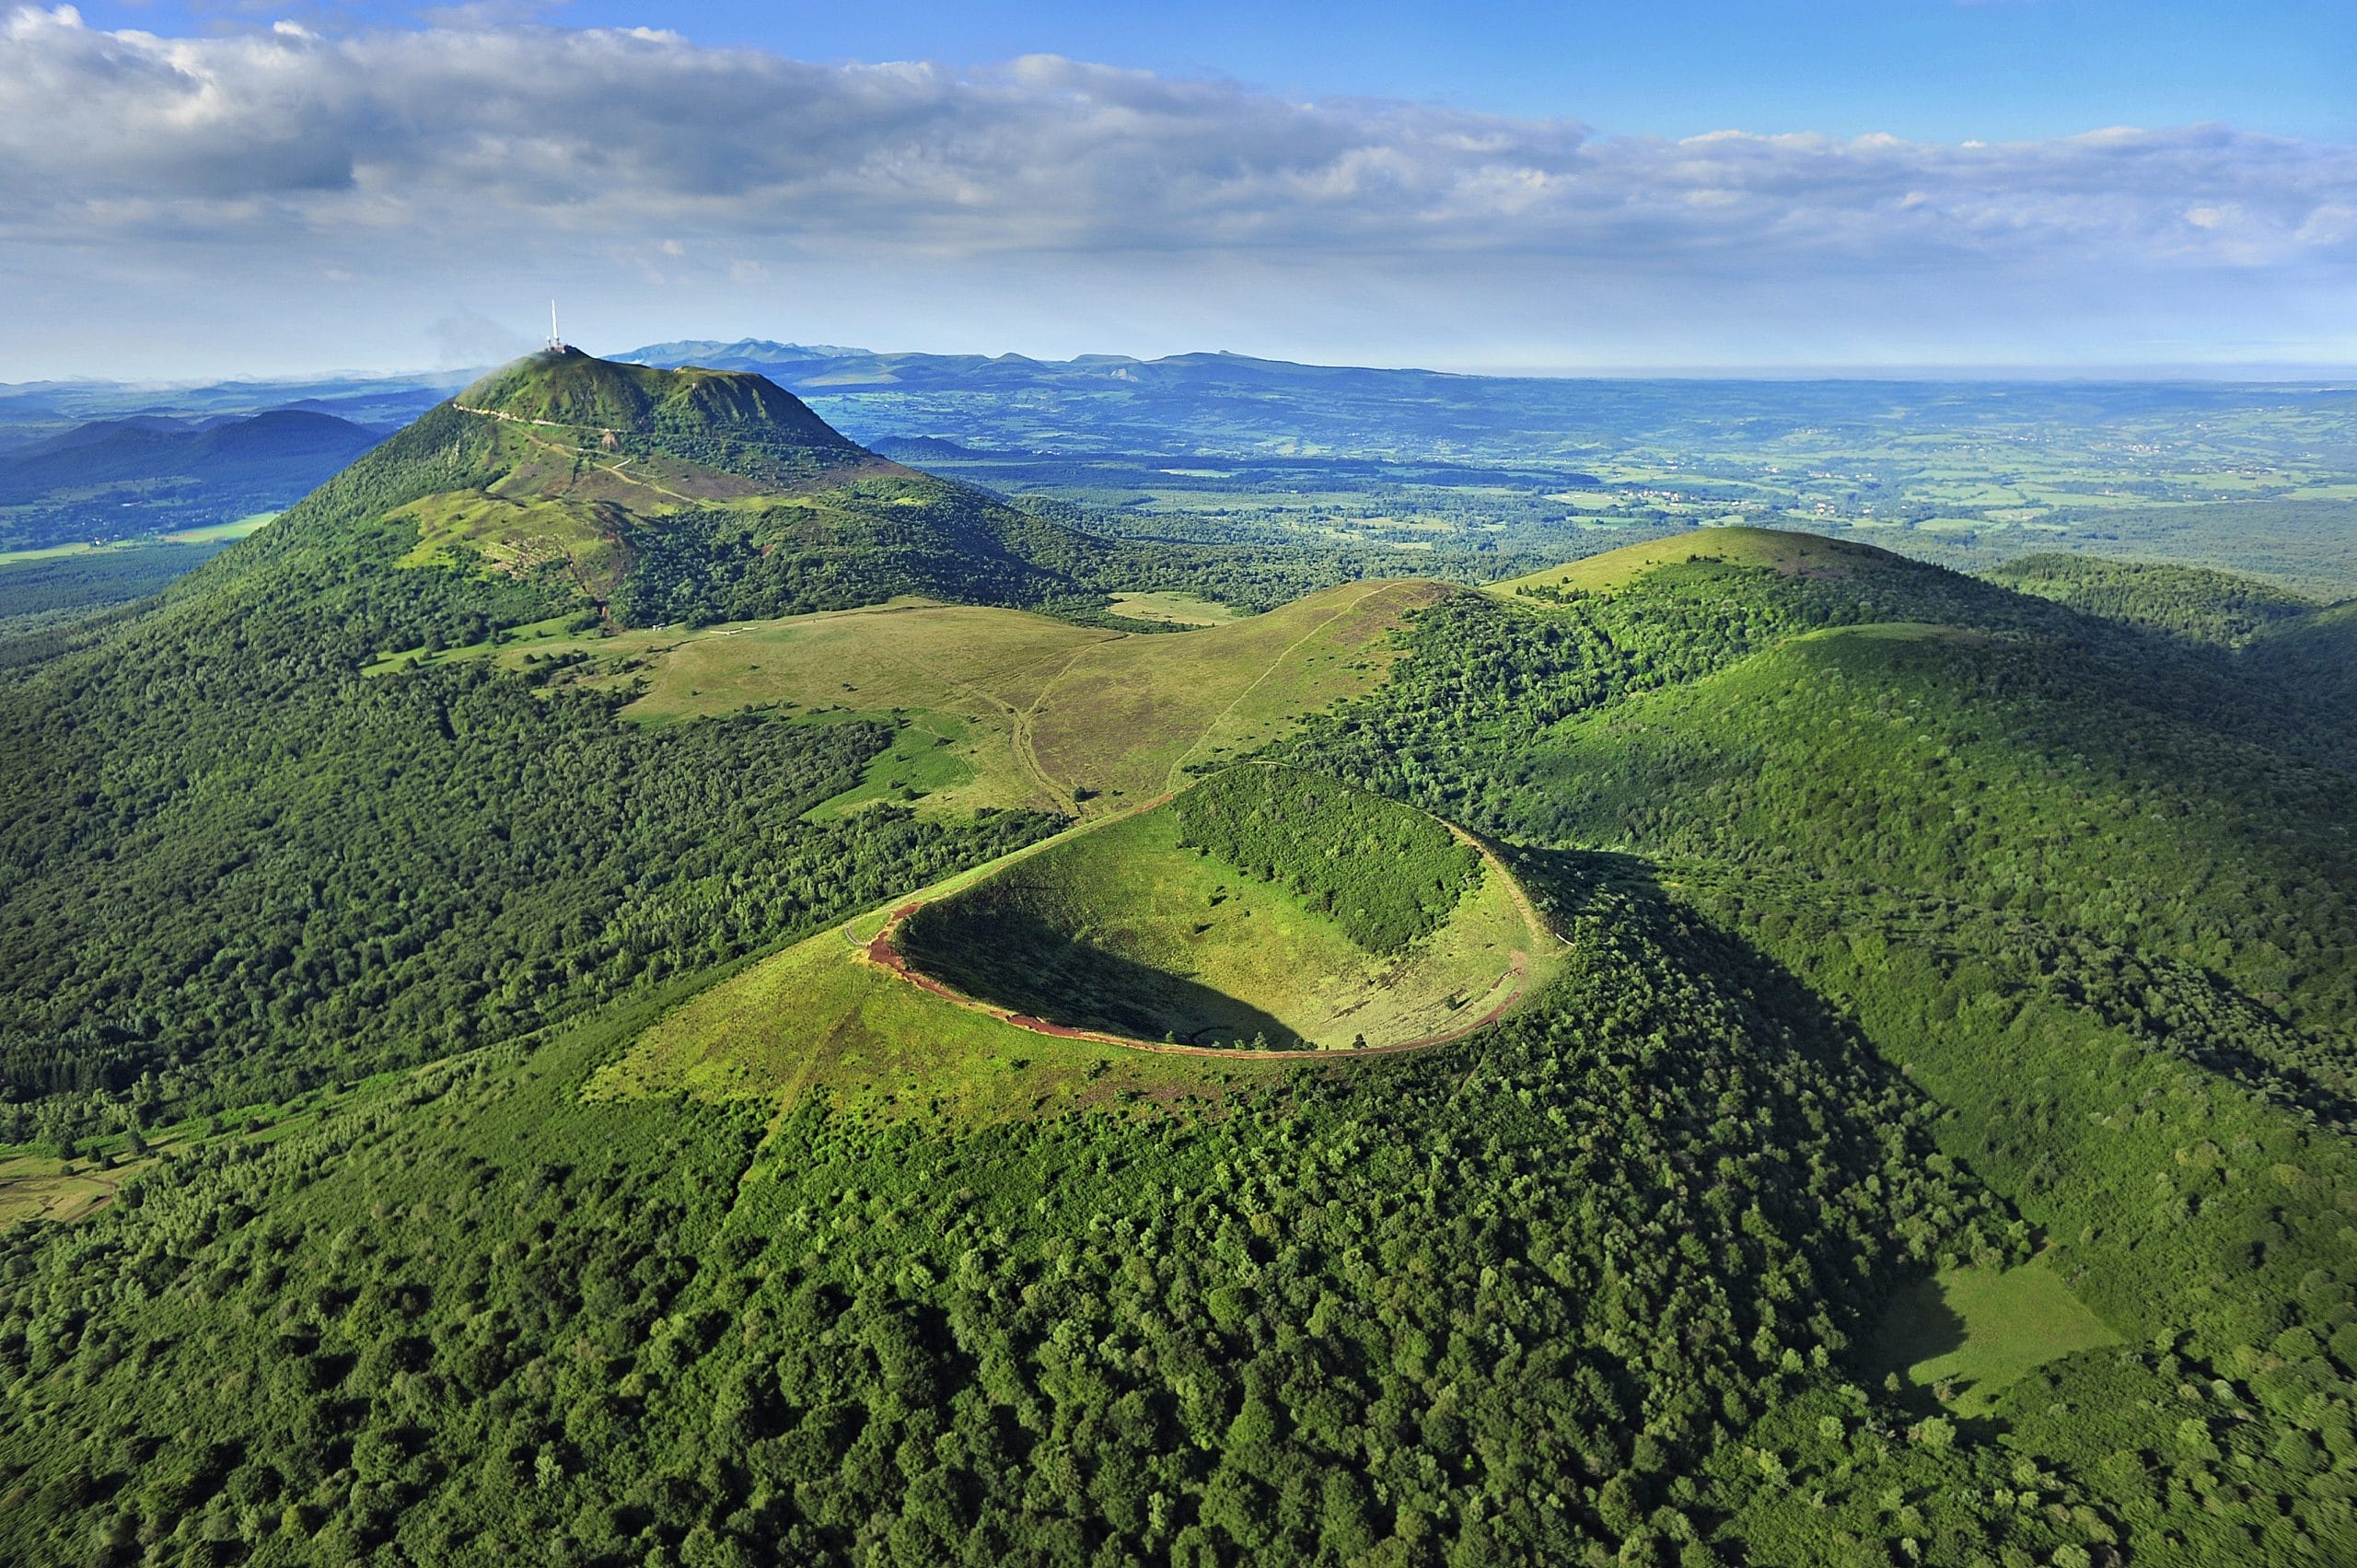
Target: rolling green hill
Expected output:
[1788,554]
[565,482]
[235,865]
[728,412]
[871,1331]
[2315,657]
[2193,601]
[1928,1141]
[2089,886]
[995,707]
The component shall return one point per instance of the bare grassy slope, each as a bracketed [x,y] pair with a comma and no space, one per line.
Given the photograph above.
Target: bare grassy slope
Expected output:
[1037,711]
[1122,719]
[1793,554]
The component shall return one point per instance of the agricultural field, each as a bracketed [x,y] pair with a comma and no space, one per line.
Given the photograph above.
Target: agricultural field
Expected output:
[221,533]
[2257,479]
[212,534]
[49,587]
[52,586]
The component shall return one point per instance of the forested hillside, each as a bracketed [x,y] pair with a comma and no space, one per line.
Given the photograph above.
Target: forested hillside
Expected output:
[1388,876]
[1516,1296]
[2091,890]
[234,867]
[1912,929]
[2193,601]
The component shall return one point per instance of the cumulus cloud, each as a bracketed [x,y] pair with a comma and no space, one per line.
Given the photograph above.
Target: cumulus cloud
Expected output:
[424,143]
[603,128]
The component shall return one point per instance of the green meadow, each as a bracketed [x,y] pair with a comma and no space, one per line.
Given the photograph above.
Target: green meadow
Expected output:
[1966,1335]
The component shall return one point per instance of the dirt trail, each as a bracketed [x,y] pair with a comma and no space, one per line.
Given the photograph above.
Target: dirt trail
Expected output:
[1529,912]
[515,418]
[575,451]
[1275,665]
[1028,753]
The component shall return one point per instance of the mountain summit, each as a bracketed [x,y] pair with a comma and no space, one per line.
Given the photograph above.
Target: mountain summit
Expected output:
[566,483]
[568,388]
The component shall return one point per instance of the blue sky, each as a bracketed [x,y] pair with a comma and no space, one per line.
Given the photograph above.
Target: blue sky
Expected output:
[2000,69]
[1947,69]
[2097,185]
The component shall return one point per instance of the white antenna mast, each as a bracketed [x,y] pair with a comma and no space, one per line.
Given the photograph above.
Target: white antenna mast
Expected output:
[556,343]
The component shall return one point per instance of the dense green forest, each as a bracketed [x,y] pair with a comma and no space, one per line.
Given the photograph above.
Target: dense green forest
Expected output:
[39,593]
[1387,876]
[2193,601]
[1912,924]
[233,867]
[1519,1298]
[2049,867]
[236,869]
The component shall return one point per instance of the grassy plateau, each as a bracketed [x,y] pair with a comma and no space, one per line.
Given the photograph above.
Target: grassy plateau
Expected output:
[1000,707]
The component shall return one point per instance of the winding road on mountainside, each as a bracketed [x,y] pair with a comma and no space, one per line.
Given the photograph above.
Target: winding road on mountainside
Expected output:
[614,473]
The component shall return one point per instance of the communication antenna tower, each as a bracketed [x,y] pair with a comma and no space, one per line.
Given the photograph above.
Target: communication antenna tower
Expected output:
[556,343]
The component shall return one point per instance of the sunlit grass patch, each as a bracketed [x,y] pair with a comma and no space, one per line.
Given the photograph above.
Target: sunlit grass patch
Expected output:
[1967,1334]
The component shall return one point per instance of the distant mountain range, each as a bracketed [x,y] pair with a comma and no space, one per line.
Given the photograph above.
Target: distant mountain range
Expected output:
[283,448]
[1219,447]
[148,474]
[827,367]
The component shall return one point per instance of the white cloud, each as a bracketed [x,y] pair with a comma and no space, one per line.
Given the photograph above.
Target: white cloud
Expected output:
[417,148]
[604,129]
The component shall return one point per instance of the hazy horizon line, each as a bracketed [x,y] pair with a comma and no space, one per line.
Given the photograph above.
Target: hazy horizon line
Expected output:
[2251,372]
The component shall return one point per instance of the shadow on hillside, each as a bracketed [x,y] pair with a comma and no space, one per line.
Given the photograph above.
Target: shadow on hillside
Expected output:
[1577,879]
[1014,958]
[1894,1315]
[1918,1326]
